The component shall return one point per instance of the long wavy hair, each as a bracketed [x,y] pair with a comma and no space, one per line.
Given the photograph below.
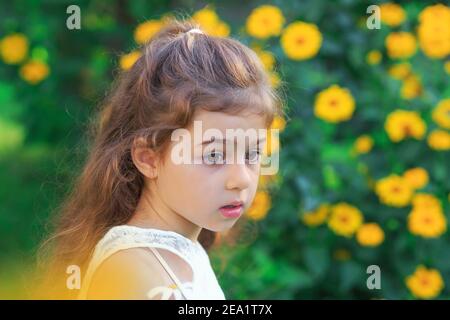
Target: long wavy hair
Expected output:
[178,73]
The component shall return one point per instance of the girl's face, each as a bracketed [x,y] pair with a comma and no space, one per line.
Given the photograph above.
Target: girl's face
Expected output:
[197,189]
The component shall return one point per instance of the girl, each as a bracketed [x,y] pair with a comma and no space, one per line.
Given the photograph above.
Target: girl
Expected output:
[137,223]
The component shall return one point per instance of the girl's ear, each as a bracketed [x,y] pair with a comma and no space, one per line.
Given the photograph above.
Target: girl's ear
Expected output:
[144,158]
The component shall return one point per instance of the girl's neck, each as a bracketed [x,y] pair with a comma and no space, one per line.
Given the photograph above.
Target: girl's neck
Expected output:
[151,213]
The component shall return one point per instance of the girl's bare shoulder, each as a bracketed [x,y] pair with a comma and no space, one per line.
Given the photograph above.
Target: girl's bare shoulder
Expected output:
[131,273]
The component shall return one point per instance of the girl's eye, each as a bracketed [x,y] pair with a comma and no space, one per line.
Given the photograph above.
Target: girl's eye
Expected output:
[253,156]
[214,157]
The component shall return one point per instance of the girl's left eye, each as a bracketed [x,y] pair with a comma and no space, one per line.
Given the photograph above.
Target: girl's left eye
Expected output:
[214,157]
[253,156]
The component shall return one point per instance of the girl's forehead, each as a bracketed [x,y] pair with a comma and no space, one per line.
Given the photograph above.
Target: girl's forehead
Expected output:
[223,121]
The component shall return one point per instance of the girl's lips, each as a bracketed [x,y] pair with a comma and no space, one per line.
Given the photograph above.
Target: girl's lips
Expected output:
[231,212]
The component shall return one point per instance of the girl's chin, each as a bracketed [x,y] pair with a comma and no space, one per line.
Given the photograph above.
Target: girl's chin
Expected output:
[224,226]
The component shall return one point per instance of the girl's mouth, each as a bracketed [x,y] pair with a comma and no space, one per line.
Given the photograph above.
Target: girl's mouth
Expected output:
[232,211]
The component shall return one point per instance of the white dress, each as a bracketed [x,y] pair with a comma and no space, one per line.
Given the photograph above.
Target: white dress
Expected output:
[204,285]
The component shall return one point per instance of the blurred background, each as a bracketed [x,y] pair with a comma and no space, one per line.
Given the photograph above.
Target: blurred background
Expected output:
[364,147]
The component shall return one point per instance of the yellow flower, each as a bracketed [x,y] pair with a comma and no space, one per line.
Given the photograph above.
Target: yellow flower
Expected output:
[268,61]
[403,124]
[206,17]
[434,47]
[392,14]
[439,12]
[441,114]
[400,45]
[146,30]
[266,57]
[275,80]
[210,22]
[425,283]
[334,104]
[265,181]
[434,31]
[301,40]
[394,191]
[428,222]
[425,200]
[272,144]
[265,21]
[316,217]
[416,177]
[427,219]
[373,57]
[400,71]
[221,30]
[345,219]
[34,71]
[260,206]
[363,144]
[12,135]
[370,235]
[128,60]
[447,66]
[341,255]
[411,88]
[278,123]
[14,48]
[439,140]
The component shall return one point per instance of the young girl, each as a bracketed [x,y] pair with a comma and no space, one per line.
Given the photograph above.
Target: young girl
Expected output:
[137,223]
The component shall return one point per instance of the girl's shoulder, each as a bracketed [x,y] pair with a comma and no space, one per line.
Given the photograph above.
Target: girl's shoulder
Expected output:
[133,260]
[133,274]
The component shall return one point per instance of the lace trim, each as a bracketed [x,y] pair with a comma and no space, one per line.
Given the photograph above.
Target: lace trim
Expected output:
[137,235]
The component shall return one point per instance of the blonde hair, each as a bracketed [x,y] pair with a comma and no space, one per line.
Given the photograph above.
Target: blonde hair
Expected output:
[178,73]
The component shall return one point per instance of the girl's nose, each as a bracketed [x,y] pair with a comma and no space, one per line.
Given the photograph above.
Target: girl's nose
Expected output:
[238,176]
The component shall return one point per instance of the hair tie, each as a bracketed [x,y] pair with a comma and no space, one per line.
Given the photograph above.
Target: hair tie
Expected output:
[195,30]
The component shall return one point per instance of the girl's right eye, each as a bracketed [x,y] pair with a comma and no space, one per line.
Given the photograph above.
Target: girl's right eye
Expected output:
[214,157]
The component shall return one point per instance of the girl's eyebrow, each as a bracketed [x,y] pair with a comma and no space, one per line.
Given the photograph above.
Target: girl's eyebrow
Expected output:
[223,141]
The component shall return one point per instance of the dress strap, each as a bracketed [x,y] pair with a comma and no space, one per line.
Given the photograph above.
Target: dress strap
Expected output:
[169,271]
